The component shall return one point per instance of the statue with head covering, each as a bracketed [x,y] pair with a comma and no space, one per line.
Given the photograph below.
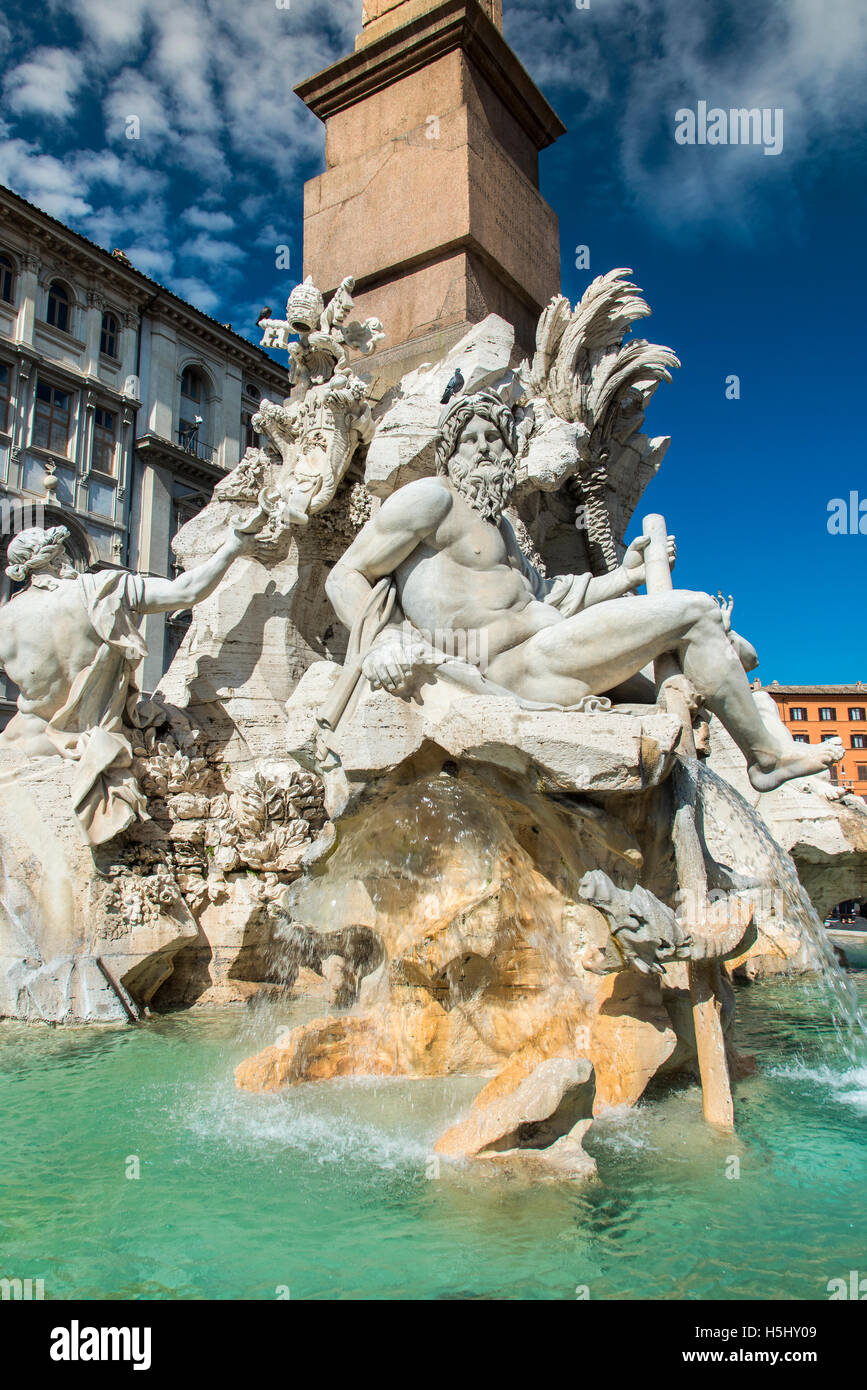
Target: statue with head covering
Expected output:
[34,550]
[71,643]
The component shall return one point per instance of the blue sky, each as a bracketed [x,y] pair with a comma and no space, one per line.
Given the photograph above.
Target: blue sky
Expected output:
[753,264]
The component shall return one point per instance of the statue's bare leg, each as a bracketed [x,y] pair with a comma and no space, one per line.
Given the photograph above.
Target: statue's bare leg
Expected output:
[604,646]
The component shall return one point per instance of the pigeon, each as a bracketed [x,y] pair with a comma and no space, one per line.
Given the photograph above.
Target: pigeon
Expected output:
[455,385]
[265,314]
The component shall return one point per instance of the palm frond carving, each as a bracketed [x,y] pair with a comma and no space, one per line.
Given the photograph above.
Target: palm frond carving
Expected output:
[592,377]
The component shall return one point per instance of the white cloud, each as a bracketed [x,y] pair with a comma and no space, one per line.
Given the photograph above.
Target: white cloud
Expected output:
[50,183]
[45,84]
[196,291]
[156,261]
[208,220]
[805,57]
[108,23]
[211,250]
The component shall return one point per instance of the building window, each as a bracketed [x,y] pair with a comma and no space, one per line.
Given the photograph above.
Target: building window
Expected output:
[5,395]
[826,738]
[797,713]
[192,430]
[801,738]
[52,418]
[57,313]
[192,385]
[857,714]
[859,741]
[7,280]
[862,772]
[104,440]
[827,712]
[108,338]
[249,436]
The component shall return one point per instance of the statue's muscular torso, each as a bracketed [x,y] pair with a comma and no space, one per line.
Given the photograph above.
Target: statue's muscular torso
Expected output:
[466,574]
[46,639]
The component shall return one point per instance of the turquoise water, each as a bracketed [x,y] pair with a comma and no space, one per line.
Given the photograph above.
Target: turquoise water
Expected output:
[330,1191]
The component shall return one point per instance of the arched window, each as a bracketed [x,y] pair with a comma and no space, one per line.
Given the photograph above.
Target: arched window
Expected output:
[108,339]
[5,395]
[7,279]
[192,425]
[57,313]
[250,439]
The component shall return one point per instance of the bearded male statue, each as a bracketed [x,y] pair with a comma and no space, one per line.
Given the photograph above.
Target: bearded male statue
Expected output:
[455,565]
[71,644]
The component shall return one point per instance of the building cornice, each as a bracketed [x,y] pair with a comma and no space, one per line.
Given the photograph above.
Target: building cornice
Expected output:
[50,235]
[70,376]
[860,688]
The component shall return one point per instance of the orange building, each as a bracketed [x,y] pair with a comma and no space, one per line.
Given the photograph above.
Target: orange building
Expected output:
[813,713]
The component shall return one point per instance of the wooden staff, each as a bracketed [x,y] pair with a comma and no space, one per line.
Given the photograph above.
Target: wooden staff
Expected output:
[704,982]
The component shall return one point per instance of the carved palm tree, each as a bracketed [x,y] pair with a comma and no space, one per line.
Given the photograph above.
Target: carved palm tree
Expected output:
[592,377]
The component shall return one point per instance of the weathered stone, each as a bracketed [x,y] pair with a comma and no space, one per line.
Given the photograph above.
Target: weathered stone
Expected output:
[631,1037]
[403,445]
[542,1107]
[76,945]
[563,751]
[823,830]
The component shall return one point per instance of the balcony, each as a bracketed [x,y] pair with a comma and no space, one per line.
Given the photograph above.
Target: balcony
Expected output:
[189,441]
[188,457]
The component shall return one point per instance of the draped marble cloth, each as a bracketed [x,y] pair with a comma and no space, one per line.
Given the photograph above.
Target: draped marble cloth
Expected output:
[90,729]
[382,611]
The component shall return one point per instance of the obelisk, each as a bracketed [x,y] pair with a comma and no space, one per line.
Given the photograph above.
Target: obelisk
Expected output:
[430,195]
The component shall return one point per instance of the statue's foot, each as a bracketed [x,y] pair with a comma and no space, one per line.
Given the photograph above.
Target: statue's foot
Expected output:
[799,761]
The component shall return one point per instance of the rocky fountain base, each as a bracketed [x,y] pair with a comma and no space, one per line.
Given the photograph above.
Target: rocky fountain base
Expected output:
[495,907]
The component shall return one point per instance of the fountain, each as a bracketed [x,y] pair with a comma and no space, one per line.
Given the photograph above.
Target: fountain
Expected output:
[425,756]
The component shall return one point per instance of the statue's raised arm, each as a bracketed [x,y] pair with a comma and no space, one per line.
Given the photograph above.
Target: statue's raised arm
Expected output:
[71,643]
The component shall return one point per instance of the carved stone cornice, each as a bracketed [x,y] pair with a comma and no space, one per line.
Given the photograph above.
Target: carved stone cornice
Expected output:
[440,29]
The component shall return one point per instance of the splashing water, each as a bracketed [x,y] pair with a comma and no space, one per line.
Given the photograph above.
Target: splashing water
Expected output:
[760,856]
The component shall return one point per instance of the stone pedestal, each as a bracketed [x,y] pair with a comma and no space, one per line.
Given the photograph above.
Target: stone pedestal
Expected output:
[430,195]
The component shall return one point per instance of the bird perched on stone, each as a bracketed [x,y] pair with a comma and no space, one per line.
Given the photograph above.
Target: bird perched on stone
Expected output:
[265,314]
[455,385]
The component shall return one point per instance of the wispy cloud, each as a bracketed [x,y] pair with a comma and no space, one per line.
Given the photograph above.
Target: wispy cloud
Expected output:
[174,129]
[211,250]
[635,62]
[208,220]
[45,84]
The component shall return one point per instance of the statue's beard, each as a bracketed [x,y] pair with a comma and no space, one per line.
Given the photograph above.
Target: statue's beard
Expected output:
[488,487]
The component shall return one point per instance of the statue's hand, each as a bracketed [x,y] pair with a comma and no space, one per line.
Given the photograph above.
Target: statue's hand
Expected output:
[392,665]
[246,530]
[726,610]
[633,561]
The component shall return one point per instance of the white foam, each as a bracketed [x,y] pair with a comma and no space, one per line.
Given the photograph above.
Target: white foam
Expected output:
[847,1085]
[362,1123]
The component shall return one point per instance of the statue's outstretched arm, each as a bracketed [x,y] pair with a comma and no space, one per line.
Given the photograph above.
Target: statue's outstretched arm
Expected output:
[190,588]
